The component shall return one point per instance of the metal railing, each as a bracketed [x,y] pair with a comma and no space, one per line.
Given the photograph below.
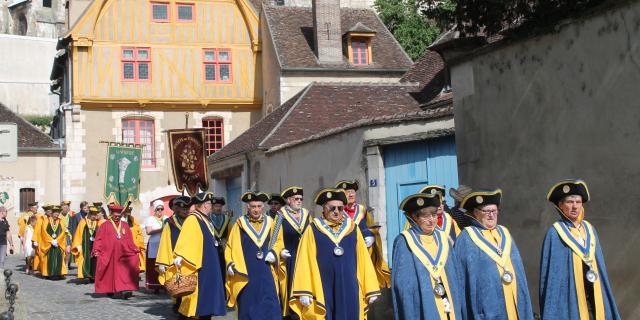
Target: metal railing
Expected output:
[10,294]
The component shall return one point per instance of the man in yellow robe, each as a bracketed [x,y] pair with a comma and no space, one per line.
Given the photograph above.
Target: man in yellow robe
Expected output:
[253,269]
[363,217]
[168,239]
[334,277]
[53,246]
[23,221]
[82,244]
[37,231]
[195,253]
[66,215]
[138,238]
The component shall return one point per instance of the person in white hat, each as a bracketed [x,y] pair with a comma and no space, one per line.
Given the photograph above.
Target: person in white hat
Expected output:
[153,227]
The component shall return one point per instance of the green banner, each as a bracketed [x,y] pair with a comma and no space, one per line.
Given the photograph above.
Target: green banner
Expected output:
[122,181]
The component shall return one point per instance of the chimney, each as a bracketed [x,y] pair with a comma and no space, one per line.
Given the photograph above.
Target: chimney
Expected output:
[327,31]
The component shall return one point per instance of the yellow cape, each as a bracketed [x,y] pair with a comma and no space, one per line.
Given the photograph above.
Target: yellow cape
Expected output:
[307,276]
[77,242]
[234,254]
[44,243]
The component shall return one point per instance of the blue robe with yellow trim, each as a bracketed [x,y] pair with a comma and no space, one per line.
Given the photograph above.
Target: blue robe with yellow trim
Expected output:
[196,246]
[558,293]
[412,286]
[482,280]
[340,286]
[291,238]
[254,286]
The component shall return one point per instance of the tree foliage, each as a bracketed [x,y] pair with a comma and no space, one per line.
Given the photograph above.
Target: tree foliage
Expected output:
[493,16]
[405,21]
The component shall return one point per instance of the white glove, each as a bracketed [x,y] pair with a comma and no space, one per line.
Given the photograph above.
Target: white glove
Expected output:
[285,254]
[373,299]
[54,243]
[162,269]
[178,261]
[271,258]
[305,300]
[369,241]
[230,271]
[79,248]
[35,244]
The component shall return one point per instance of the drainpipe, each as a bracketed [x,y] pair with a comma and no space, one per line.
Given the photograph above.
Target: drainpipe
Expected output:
[61,171]
[247,163]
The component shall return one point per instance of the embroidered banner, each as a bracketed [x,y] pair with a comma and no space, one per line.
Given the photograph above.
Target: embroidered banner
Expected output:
[188,160]
[122,181]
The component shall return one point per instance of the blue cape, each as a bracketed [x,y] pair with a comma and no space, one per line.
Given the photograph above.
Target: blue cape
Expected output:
[483,284]
[558,298]
[411,288]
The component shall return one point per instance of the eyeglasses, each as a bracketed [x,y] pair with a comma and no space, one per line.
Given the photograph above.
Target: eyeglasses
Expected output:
[488,212]
[297,198]
[432,216]
[160,209]
[333,208]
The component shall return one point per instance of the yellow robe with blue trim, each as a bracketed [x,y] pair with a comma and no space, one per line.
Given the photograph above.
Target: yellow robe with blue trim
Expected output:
[168,239]
[235,256]
[364,219]
[196,247]
[315,254]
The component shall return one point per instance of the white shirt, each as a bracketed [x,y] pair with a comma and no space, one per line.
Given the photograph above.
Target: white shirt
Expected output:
[154,239]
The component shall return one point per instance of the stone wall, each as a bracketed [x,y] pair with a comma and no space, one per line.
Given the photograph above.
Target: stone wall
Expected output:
[560,105]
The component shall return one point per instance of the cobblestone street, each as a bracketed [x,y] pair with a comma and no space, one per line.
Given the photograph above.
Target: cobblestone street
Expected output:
[69,300]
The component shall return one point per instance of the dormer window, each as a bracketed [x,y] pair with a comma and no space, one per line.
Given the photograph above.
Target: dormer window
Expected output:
[359,44]
[360,51]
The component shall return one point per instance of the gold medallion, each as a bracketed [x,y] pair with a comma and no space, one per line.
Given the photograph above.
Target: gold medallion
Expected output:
[566,189]
[420,202]
[479,199]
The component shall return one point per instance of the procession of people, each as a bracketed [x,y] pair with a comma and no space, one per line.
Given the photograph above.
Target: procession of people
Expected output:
[280,261]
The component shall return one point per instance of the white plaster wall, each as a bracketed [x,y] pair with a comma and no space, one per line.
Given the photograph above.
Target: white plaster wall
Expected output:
[25,66]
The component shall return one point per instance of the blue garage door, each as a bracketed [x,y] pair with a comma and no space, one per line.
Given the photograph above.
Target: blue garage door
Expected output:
[410,166]
[234,191]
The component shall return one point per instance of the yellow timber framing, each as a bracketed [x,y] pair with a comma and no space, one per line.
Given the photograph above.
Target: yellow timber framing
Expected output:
[176,50]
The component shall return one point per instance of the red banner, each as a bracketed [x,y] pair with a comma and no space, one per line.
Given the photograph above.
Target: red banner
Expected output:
[189,159]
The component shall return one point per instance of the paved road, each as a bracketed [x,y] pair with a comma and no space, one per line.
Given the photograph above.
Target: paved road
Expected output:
[39,298]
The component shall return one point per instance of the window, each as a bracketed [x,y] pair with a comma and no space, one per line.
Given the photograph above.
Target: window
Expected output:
[360,52]
[27,196]
[136,64]
[214,134]
[217,65]
[141,131]
[159,11]
[46,3]
[185,12]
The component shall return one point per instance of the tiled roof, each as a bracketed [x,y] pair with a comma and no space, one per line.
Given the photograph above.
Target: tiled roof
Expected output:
[323,109]
[28,135]
[292,34]
[250,139]
[428,73]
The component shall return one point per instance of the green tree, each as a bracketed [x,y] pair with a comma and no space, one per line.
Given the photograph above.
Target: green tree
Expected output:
[405,21]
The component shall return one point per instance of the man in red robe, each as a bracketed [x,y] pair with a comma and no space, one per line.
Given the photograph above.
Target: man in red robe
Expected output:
[117,265]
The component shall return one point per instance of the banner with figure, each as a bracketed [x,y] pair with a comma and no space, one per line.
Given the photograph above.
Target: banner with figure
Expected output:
[188,159]
[122,181]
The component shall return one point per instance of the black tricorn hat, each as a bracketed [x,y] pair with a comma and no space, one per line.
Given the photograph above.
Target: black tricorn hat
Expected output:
[254,196]
[418,201]
[348,185]
[328,194]
[481,198]
[180,201]
[33,204]
[276,197]
[433,189]
[568,187]
[218,200]
[202,197]
[292,191]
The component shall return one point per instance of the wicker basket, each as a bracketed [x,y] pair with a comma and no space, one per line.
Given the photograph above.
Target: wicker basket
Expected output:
[181,285]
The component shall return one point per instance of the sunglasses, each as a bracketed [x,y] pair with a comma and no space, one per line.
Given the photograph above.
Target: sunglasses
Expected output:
[297,198]
[160,209]
[333,208]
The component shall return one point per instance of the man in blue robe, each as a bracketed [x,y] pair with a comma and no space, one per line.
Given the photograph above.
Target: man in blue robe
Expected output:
[293,220]
[573,277]
[195,253]
[334,277]
[490,263]
[251,253]
[424,280]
